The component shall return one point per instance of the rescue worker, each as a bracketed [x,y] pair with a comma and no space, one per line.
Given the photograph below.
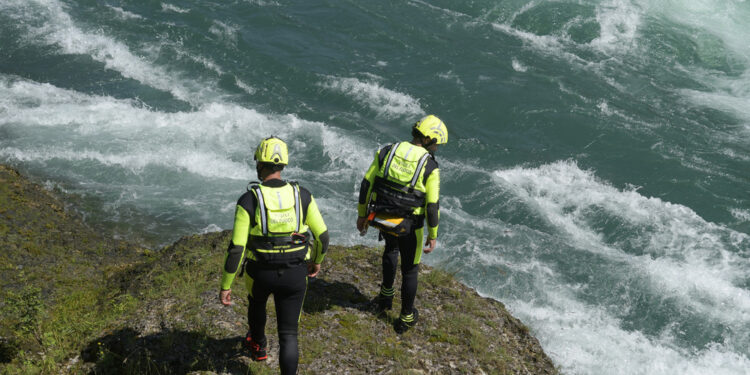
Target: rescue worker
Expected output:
[399,190]
[270,244]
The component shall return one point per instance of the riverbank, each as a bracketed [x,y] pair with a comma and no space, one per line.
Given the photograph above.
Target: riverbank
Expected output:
[76,301]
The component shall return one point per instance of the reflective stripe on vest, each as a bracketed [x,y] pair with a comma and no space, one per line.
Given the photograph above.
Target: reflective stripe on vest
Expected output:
[261,203]
[297,208]
[391,154]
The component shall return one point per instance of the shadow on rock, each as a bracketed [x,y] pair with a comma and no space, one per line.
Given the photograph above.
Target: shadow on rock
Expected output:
[322,294]
[8,350]
[166,352]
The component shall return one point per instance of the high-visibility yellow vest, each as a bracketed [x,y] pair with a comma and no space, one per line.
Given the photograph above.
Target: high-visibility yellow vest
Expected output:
[279,234]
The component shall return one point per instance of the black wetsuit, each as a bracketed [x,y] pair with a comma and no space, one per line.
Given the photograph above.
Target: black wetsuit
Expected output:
[287,282]
[406,247]
[288,286]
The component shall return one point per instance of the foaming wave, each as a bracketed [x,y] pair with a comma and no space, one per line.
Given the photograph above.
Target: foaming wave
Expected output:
[546,44]
[167,159]
[448,12]
[585,339]
[245,87]
[224,31]
[200,163]
[729,94]
[719,32]
[60,30]
[581,337]
[681,254]
[211,228]
[619,22]
[345,150]
[387,103]
[716,30]
[518,66]
[262,3]
[741,214]
[727,19]
[166,7]
[212,142]
[124,14]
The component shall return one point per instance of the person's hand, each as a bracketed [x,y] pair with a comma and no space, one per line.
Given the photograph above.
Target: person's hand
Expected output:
[225,296]
[361,223]
[313,269]
[429,245]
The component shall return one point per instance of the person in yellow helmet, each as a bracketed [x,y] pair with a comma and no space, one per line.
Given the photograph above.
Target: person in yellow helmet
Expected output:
[400,189]
[270,245]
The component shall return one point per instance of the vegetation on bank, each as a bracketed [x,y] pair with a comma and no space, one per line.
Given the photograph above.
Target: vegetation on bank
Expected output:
[74,301]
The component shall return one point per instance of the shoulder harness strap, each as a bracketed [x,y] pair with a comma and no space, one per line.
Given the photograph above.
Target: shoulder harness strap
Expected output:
[297,206]
[421,164]
[262,208]
[391,154]
[251,184]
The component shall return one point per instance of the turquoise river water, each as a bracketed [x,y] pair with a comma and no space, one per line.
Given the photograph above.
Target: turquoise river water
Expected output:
[596,179]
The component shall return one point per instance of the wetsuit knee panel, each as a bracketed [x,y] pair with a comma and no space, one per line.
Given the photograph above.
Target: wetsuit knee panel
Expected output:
[409,269]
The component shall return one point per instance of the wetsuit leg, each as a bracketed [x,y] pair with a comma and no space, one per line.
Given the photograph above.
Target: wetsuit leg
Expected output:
[289,295]
[390,263]
[256,310]
[407,246]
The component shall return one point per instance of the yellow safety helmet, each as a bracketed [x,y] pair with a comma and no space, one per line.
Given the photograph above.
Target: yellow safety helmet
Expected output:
[432,127]
[272,150]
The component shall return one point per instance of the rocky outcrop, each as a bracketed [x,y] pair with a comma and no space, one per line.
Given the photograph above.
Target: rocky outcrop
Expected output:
[158,311]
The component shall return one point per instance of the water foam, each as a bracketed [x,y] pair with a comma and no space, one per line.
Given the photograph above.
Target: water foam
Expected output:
[727,19]
[213,142]
[665,246]
[166,7]
[619,22]
[262,3]
[224,31]
[387,103]
[518,66]
[585,339]
[109,146]
[245,87]
[124,14]
[723,20]
[623,30]
[60,30]
[741,214]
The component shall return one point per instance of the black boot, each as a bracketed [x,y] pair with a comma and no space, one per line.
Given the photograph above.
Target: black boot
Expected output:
[405,322]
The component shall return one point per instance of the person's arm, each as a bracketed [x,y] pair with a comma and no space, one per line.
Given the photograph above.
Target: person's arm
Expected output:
[365,190]
[365,187]
[236,250]
[314,221]
[432,209]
